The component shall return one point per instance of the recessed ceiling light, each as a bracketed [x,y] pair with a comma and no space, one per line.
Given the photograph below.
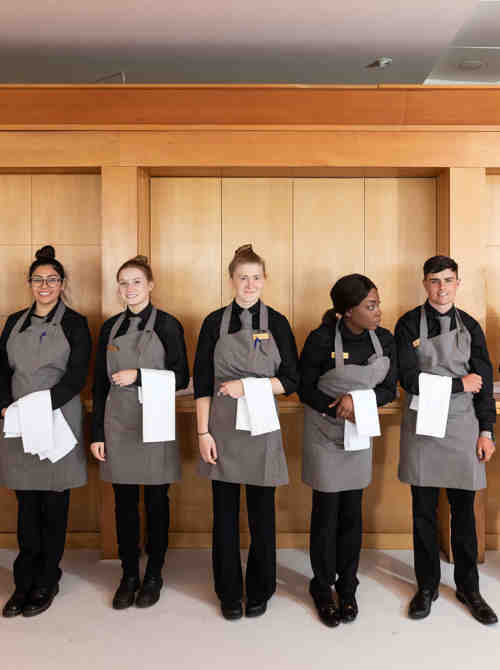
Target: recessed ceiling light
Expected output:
[471,64]
[380,63]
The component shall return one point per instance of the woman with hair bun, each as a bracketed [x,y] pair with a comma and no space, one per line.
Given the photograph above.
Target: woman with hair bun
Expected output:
[140,337]
[44,347]
[246,339]
[346,353]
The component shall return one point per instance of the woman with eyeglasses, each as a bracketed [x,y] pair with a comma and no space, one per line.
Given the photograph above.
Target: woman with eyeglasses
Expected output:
[44,347]
[141,336]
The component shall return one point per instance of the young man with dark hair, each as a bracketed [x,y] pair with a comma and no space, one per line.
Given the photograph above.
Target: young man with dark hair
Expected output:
[439,339]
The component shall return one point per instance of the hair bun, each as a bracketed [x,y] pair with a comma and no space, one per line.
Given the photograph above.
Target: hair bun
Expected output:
[243,249]
[47,251]
[143,260]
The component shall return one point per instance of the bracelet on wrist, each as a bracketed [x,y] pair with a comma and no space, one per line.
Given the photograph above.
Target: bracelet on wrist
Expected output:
[206,433]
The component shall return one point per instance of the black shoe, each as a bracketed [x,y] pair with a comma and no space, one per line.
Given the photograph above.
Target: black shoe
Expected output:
[348,608]
[125,594]
[255,608]
[39,600]
[231,610]
[421,603]
[478,607]
[327,610]
[149,593]
[14,605]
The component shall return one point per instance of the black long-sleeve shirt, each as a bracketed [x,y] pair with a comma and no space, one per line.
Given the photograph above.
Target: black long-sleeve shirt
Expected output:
[77,333]
[316,359]
[171,335]
[203,373]
[408,330]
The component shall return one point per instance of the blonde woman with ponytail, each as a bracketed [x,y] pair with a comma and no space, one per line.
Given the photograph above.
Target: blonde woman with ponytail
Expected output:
[140,337]
[244,339]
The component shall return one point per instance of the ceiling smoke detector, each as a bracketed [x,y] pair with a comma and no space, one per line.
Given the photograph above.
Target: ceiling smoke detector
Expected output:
[380,63]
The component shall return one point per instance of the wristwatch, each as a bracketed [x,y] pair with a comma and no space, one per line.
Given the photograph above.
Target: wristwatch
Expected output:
[488,434]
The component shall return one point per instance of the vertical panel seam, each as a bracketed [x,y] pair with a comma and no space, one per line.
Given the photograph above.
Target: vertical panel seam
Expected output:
[292,248]
[220,243]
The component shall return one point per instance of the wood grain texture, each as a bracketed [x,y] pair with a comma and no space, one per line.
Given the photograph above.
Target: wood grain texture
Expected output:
[400,233]
[468,237]
[247,104]
[53,149]
[16,292]
[259,211]
[15,202]
[328,242]
[120,225]
[186,250]
[66,209]
[312,148]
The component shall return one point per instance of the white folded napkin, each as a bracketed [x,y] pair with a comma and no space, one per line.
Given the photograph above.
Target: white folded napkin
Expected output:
[45,433]
[433,404]
[256,410]
[157,395]
[357,435]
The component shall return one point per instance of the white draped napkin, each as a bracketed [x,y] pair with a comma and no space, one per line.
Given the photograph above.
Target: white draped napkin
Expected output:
[256,410]
[157,395]
[433,404]
[357,435]
[44,433]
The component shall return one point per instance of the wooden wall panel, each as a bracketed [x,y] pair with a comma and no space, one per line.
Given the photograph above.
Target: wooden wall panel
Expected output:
[66,209]
[492,227]
[15,293]
[259,211]
[15,209]
[400,234]
[328,242]
[186,250]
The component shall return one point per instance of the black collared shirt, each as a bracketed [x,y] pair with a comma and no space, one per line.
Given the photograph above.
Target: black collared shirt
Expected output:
[203,374]
[171,335]
[316,359]
[408,330]
[76,330]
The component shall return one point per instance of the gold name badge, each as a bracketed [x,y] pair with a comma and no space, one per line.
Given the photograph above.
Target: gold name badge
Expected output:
[113,347]
[346,355]
[416,343]
[260,336]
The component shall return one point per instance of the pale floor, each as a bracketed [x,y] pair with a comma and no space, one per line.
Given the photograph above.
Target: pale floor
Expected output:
[185,628]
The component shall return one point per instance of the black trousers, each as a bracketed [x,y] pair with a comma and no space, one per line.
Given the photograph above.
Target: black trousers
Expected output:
[426,540]
[42,521]
[335,542]
[260,579]
[156,502]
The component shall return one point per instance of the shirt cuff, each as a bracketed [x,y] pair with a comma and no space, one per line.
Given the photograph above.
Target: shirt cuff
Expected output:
[457,385]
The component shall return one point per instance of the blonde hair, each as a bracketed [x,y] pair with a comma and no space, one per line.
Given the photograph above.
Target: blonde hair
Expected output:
[245,254]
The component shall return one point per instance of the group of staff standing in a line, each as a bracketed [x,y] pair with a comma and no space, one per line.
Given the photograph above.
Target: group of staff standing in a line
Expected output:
[48,346]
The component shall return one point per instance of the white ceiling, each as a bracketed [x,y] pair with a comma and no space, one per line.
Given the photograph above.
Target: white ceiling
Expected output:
[237,41]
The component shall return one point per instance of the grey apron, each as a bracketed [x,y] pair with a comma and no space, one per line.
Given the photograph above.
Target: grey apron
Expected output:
[326,465]
[241,458]
[39,356]
[452,461]
[128,459]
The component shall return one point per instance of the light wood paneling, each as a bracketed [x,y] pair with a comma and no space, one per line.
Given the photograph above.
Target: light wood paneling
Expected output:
[259,211]
[328,242]
[66,209]
[468,237]
[400,233]
[52,149]
[120,226]
[312,148]
[15,293]
[443,213]
[186,250]
[15,209]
